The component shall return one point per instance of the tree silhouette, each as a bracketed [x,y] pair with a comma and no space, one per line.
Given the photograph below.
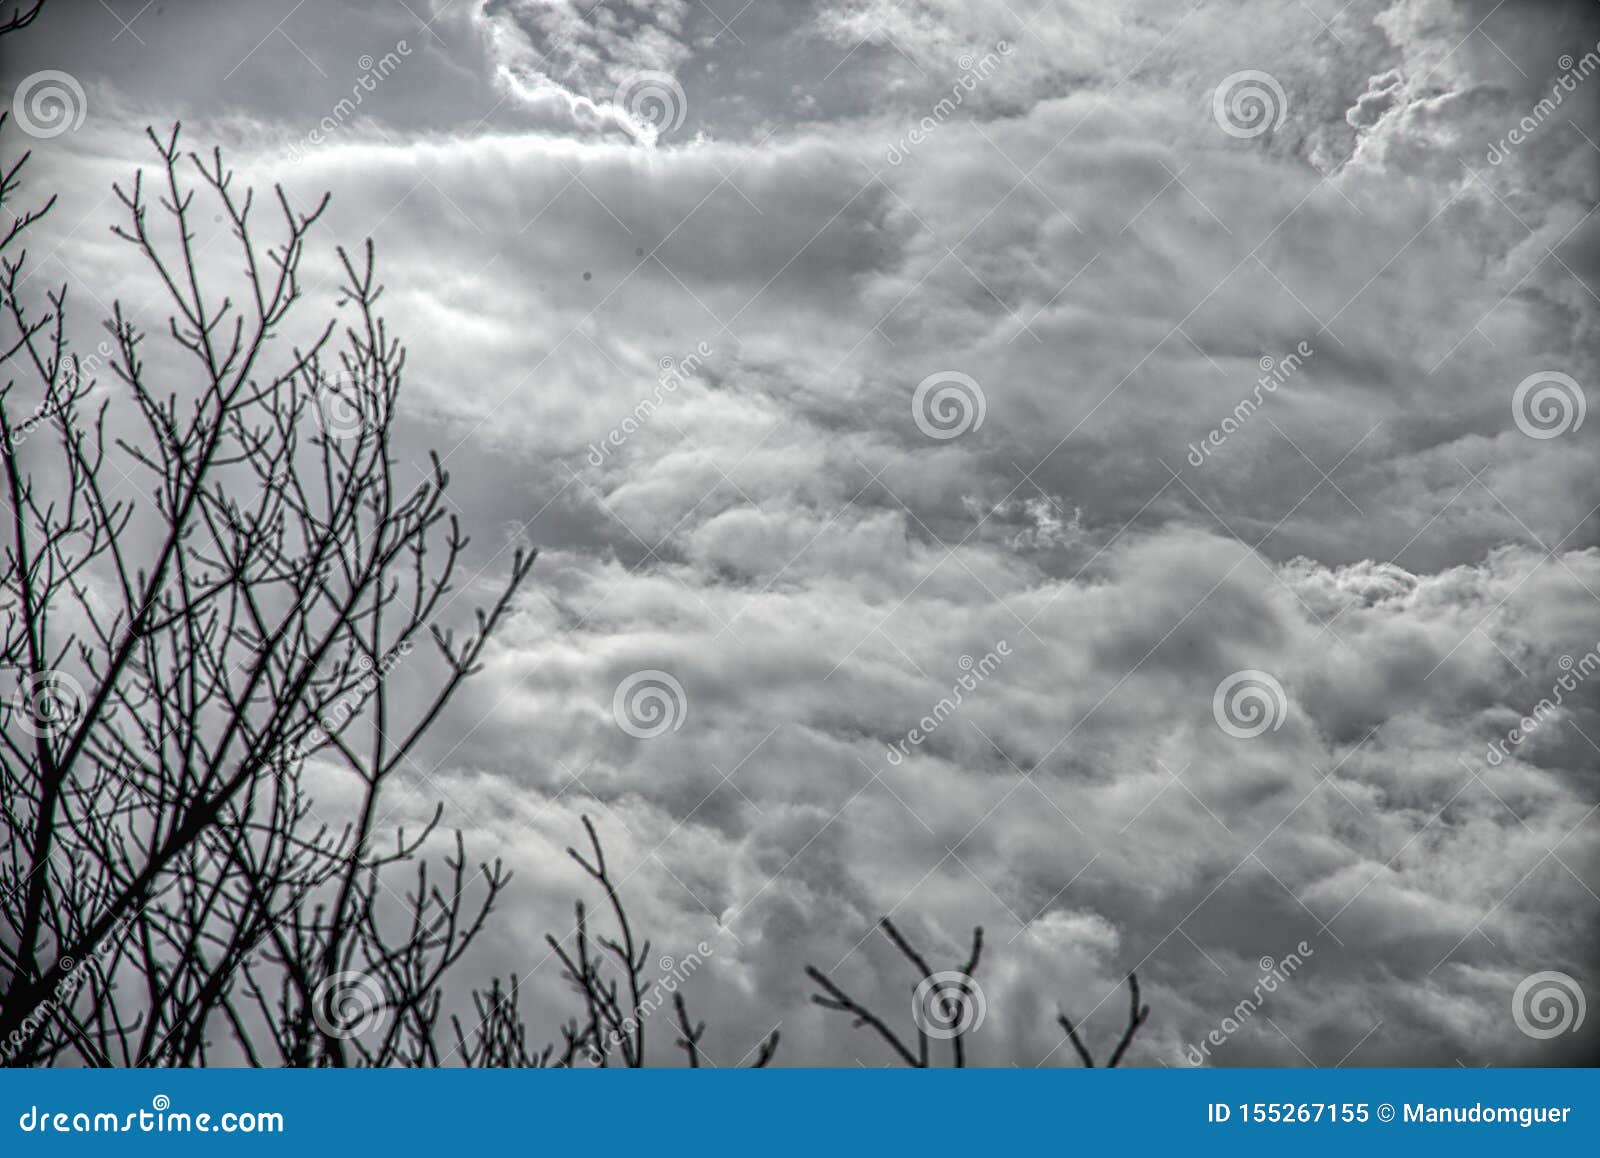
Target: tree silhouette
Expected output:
[213,571]
[948,1005]
[224,604]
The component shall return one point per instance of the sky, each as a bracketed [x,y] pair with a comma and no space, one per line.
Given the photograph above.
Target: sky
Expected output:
[1195,390]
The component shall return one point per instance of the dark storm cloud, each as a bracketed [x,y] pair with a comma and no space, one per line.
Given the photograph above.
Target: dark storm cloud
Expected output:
[1118,276]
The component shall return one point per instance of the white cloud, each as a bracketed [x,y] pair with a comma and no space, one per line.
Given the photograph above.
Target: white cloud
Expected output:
[779,535]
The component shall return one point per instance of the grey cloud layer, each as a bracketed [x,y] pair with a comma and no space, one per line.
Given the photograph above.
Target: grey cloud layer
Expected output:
[776,531]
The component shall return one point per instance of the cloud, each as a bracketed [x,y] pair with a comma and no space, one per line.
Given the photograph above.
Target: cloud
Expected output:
[1383,92]
[1333,317]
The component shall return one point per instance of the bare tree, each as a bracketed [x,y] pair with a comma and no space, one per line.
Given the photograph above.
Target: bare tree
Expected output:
[610,974]
[1137,1015]
[947,1005]
[943,1002]
[212,572]
[690,1032]
[500,1039]
[15,17]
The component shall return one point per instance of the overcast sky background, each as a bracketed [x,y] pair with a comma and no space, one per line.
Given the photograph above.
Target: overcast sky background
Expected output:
[1083,240]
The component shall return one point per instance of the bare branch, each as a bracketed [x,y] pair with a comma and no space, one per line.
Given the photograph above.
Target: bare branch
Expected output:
[1138,1013]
